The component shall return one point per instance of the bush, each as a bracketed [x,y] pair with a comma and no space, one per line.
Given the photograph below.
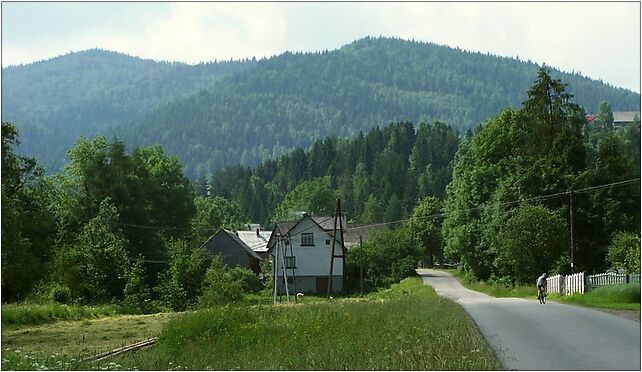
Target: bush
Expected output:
[249,281]
[624,251]
[403,268]
[386,257]
[220,286]
[59,293]
[181,284]
[137,294]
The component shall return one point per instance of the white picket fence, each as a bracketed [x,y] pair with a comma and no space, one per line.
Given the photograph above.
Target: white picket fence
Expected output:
[566,285]
[575,283]
[604,279]
[580,283]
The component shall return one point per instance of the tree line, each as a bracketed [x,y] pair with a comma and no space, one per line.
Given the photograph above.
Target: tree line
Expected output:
[96,231]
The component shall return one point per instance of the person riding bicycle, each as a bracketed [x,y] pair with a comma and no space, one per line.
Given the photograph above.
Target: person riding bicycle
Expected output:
[541,287]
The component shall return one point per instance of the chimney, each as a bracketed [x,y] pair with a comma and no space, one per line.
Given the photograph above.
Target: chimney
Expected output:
[257,231]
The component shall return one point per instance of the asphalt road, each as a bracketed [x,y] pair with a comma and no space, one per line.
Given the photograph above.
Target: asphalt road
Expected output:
[530,336]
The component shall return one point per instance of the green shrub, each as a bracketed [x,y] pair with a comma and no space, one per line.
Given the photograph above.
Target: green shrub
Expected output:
[181,284]
[137,294]
[59,293]
[249,281]
[403,268]
[624,251]
[220,286]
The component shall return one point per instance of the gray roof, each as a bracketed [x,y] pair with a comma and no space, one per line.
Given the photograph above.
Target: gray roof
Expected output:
[354,231]
[258,243]
[625,116]
[327,223]
[236,239]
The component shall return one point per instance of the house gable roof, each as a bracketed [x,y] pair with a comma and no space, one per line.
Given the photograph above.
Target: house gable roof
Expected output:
[235,239]
[284,228]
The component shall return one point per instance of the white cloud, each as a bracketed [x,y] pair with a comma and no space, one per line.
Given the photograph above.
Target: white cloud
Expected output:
[600,39]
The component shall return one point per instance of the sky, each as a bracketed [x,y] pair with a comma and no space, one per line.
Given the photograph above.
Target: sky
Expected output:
[600,40]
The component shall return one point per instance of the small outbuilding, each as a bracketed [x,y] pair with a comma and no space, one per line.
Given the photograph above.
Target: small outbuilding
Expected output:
[232,250]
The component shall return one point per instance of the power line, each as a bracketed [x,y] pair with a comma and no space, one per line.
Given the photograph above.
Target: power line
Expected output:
[536,198]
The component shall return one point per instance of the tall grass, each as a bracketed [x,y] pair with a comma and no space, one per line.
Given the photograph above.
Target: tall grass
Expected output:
[33,314]
[496,289]
[622,296]
[407,327]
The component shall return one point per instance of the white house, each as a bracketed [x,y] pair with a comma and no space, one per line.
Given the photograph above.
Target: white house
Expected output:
[305,248]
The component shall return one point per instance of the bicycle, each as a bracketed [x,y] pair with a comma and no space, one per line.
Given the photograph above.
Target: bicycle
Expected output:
[541,295]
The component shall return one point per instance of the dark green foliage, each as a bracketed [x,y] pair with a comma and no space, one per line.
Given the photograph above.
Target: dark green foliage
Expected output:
[182,282]
[28,224]
[314,197]
[387,257]
[147,188]
[537,150]
[137,295]
[426,227]
[59,293]
[530,242]
[374,175]
[213,213]
[281,104]
[624,252]
[93,265]
[222,285]
[249,281]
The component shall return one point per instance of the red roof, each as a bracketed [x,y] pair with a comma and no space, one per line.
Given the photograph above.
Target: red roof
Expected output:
[590,118]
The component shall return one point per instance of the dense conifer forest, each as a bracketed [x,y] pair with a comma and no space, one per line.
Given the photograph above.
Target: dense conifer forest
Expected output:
[219,114]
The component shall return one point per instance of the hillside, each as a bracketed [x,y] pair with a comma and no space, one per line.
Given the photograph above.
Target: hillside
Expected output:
[293,99]
[52,102]
[217,114]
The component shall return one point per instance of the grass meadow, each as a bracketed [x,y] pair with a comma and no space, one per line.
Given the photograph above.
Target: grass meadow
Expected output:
[406,327]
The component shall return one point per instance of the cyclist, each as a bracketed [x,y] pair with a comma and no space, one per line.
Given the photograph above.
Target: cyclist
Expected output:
[541,288]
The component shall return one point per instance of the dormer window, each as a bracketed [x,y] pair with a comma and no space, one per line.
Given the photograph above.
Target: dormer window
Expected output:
[307,239]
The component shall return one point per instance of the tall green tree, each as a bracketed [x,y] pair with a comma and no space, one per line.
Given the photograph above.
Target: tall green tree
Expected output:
[426,226]
[28,224]
[315,197]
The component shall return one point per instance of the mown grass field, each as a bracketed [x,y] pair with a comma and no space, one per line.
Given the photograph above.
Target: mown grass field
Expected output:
[407,327]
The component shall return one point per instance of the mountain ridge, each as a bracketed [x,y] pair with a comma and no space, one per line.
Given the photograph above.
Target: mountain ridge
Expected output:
[248,111]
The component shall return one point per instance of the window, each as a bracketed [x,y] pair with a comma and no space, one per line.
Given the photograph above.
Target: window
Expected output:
[327,242]
[290,262]
[307,239]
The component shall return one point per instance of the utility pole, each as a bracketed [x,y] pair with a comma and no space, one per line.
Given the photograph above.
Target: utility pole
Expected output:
[572,233]
[361,266]
[337,216]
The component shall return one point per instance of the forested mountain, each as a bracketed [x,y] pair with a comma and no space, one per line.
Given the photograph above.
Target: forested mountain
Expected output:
[267,107]
[291,100]
[52,102]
